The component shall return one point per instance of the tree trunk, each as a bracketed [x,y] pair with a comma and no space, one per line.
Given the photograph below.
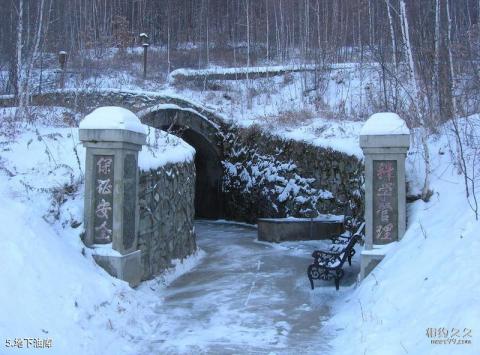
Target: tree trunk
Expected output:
[19,62]
[436,65]
[392,35]
[408,49]
[416,97]
[31,60]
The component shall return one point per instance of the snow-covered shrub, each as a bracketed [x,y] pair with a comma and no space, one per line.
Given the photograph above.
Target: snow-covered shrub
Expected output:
[264,178]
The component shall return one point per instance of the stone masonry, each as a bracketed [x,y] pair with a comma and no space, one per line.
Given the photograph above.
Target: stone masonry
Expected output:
[166,230]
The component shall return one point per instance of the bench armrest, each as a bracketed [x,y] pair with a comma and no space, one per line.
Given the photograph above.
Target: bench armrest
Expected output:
[329,260]
[319,253]
[341,238]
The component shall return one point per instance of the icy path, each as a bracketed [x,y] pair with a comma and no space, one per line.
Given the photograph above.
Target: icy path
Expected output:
[245,297]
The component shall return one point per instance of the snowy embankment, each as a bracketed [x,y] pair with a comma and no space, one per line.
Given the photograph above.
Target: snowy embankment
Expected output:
[429,281]
[52,288]
[288,106]
[222,73]
[235,73]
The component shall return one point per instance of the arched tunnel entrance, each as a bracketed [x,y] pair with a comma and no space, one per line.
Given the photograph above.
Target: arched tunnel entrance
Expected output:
[209,172]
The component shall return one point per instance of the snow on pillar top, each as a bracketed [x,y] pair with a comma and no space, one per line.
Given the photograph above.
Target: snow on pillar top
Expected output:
[384,123]
[112,124]
[112,117]
[385,129]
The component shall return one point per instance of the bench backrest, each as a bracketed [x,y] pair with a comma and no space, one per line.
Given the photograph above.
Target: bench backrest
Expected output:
[351,243]
[361,230]
[345,252]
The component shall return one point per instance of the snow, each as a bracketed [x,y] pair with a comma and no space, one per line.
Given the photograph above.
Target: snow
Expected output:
[340,136]
[53,289]
[427,280]
[60,293]
[380,250]
[105,250]
[244,297]
[239,70]
[57,146]
[162,149]
[261,101]
[180,267]
[112,117]
[384,123]
[272,97]
[176,107]
[254,69]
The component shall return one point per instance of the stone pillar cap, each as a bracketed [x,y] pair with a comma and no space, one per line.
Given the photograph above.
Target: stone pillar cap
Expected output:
[385,129]
[112,117]
[384,123]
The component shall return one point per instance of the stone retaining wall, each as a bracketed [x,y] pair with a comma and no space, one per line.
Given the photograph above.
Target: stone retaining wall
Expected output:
[286,229]
[166,229]
[267,176]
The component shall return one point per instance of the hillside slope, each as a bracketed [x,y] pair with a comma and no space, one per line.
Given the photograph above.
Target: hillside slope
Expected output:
[429,284]
[52,289]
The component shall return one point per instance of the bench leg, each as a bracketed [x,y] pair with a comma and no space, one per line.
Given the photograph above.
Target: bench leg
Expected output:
[338,277]
[310,276]
[350,256]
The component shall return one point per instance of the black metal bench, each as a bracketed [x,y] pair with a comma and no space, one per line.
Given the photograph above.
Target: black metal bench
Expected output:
[350,225]
[327,264]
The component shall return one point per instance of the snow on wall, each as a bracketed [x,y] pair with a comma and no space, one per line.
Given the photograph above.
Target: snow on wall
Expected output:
[162,149]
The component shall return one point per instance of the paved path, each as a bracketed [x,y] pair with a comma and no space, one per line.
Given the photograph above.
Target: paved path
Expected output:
[245,297]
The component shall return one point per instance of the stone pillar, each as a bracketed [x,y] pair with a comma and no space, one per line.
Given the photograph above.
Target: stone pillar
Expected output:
[113,136]
[385,139]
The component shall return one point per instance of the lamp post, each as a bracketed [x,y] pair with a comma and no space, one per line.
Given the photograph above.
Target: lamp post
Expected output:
[145,44]
[62,59]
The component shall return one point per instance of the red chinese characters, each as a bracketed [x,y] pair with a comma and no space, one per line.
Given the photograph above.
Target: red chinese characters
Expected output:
[385,202]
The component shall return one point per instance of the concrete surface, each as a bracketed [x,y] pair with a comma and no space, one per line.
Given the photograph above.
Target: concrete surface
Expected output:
[282,229]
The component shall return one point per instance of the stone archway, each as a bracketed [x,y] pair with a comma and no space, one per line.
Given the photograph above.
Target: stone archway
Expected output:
[199,127]
[202,134]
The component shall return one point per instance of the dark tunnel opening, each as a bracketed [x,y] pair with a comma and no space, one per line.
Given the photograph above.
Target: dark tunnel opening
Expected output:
[208,166]
[209,173]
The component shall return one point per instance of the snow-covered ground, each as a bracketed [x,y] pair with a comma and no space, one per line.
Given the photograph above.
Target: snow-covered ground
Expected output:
[245,297]
[51,286]
[259,299]
[427,285]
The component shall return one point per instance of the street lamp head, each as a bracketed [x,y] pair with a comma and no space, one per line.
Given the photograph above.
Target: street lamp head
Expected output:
[144,39]
[62,58]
